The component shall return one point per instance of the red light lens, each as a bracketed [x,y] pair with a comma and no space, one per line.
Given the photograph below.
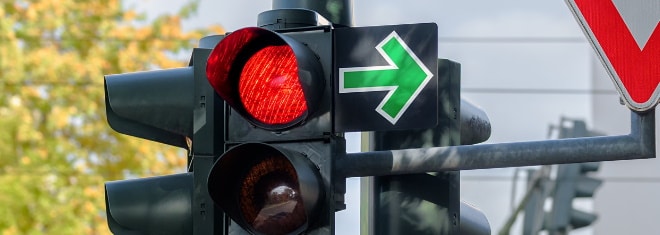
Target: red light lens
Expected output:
[270,79]
[223,58]
[269,87]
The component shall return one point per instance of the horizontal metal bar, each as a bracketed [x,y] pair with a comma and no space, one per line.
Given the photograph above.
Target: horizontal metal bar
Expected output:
[639,144]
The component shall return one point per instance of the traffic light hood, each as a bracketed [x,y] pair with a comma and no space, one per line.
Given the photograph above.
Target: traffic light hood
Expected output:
[153,105]
[155,205]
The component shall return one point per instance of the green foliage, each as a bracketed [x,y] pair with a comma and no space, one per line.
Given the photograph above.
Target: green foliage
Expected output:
[56,149]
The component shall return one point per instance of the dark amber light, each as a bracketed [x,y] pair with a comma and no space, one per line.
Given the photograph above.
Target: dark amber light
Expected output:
[270,198]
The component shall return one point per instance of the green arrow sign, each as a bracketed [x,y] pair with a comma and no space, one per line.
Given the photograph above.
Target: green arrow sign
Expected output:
[403,78]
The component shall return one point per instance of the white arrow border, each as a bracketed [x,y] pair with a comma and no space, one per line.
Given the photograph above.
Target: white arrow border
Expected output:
[391,65]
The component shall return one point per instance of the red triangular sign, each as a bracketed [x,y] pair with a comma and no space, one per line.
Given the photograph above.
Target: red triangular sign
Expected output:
[626,35]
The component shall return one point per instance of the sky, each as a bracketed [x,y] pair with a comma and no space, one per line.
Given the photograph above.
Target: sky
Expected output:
[507,49]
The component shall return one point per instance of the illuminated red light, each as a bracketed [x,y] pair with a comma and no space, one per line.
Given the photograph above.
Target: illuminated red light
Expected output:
[256,72]
[269,87]
[223,57]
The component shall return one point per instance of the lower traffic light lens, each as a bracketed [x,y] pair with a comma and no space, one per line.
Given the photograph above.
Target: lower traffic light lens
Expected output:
[269,86]
[267,189]
[270,197]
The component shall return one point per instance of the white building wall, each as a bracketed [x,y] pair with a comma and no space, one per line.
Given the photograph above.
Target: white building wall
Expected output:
[627,203]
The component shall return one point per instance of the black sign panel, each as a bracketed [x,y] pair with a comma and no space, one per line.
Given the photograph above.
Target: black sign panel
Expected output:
[386,77]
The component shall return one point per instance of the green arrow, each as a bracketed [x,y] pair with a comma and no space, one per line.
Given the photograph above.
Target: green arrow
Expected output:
[404,78]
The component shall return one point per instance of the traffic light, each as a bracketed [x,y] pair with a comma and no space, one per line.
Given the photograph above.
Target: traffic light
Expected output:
[150,105]
[276,175]
[403,204]
[262,110]
[169,106]
[573,181]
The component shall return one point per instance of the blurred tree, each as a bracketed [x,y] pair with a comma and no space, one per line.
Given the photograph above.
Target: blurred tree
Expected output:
[56,149]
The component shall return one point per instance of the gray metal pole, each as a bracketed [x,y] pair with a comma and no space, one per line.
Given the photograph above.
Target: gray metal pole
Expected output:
[639,144]
[536,185]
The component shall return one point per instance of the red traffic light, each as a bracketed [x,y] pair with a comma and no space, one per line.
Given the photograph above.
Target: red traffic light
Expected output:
[270,79]
[267,190]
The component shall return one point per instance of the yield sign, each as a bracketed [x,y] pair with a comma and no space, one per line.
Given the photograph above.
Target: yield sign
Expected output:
[626,35]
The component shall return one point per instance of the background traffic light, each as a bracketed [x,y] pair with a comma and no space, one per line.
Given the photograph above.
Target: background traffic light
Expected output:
[572,181]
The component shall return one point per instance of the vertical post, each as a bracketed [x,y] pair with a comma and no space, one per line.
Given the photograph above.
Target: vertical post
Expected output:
[532,208]
[339,12]
[367,192]
[540,187]
[207,145]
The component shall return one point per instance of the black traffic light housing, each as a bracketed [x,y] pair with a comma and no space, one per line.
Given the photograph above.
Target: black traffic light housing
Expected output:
[175,107]
[150,105]
[306,142]
[180,107]
[298,150]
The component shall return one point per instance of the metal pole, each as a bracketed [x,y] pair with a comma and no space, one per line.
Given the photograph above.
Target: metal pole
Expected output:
[536,183]
[339,12]
[534,214]
[639,144]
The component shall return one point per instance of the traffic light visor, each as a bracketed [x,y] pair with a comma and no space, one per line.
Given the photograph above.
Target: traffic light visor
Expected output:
[265,76]
[153,105]
[154,205]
